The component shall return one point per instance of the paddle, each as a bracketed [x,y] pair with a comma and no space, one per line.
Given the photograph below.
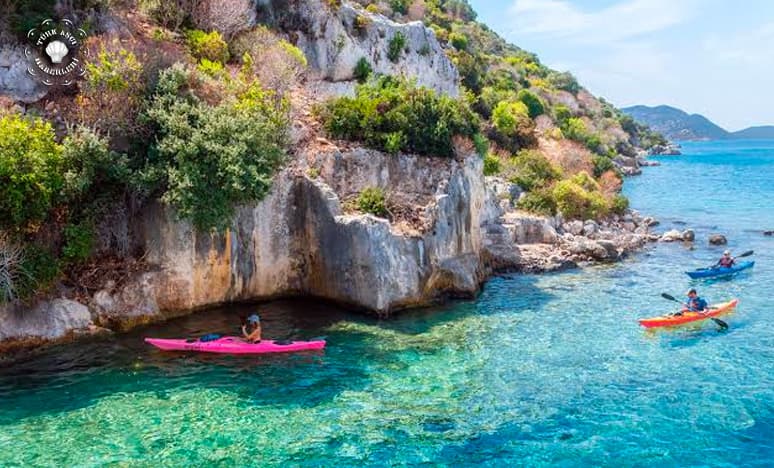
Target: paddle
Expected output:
[721,323]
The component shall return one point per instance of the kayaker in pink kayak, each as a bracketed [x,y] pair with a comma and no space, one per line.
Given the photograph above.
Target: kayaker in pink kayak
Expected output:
[695,303]
[726,261]
[252,329]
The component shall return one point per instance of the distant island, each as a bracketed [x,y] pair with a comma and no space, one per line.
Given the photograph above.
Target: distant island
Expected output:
[678,125]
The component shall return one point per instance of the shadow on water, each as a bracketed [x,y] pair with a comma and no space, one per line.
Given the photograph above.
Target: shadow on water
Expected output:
[67,377]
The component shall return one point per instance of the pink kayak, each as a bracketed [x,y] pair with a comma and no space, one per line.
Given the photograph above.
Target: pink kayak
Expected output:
[234,345]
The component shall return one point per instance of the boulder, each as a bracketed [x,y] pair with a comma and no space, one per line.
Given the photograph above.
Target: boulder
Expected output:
[590,228]
[47,320]
[671,236]
[768,233]
[573,227]
[629,226]
[689,235]
[718,239]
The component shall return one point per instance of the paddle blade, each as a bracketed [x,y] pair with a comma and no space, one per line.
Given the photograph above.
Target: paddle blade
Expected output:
[746,254]
[668,297]
[720,323]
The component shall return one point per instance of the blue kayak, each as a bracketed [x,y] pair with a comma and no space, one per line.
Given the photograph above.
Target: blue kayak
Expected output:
[719,271]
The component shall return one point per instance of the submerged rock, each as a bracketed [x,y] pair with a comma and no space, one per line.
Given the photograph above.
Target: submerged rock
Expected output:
[718,239]
[688,235]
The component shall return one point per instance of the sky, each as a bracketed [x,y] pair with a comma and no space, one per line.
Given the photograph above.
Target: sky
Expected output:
[711,57]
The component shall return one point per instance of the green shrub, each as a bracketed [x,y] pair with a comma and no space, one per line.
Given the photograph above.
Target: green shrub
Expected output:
[393,142]
[210,46]
[78,242]
[374,201]
[207,159]
[575,202]
[458,41]
[602,164]
[619,204]
[562,114]
[564,81]
[533,170]
[491,165]
[481,144]
[400,6]
[39,270]
[25,15]
[427,120]
[90,168]
[510,118]
[168,13]
[584,180]
[533,103]
[30,165]
[395,46]
[540,201]
[362,70]
[210,68]
[113,91]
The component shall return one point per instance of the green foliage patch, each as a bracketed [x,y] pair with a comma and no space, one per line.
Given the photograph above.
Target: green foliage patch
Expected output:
[388,106]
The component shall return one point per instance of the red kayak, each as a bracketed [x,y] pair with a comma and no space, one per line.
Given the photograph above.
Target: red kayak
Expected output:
[688,317]
[234,345]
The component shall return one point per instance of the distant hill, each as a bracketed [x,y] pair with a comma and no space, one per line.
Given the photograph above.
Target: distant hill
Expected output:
[676,124]
[764,132]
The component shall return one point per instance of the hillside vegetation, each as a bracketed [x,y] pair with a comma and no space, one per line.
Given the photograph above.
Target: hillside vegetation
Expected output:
[190,104]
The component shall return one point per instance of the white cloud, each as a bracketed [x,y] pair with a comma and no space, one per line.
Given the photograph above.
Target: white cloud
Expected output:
[623,20]
[752,48]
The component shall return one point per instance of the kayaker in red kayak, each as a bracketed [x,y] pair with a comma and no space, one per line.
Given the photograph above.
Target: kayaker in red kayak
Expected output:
[726,261]
[695,303]
[252,329]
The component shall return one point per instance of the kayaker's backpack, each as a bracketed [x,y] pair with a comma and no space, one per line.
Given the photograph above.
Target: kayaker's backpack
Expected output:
[209,337]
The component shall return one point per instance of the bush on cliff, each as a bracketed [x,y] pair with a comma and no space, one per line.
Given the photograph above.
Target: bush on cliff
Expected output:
[513,128]
[532,170]
[207,159]
[533,103]
[540,201]
[575,202]
[30,171]
[386,106]
[374,201]
[210,46]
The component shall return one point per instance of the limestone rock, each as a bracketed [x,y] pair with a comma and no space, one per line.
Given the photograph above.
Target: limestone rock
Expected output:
[47,320]
[15,82]
[672,236]
[334,41]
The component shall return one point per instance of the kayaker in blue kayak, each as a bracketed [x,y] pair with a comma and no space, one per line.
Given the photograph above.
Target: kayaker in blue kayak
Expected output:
[695,303]
[251,330]
[726,261]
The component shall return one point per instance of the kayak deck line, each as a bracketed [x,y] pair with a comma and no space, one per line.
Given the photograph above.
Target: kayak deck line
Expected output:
[234,345]
[689,317]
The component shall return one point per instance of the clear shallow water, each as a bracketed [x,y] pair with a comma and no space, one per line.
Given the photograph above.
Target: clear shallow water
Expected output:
[539,370]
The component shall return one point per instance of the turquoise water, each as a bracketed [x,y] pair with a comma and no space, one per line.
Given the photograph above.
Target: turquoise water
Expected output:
[539,370]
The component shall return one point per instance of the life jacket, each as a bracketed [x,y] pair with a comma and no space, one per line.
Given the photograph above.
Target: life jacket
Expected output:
[726,261]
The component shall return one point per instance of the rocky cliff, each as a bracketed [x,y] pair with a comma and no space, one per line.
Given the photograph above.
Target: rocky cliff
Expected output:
[457,226]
